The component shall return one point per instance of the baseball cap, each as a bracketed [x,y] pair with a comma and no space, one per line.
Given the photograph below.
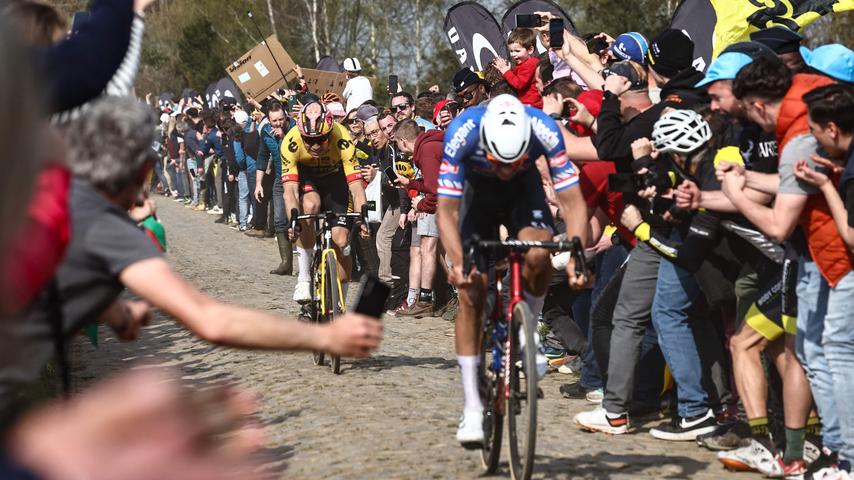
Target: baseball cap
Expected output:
[670,52]
[466,77]
[438,108]
[352,65]
[833,60]
[626,70]
[777,38]
[725,67]
[630,46]
[752,49]
[365,112]
[241,117]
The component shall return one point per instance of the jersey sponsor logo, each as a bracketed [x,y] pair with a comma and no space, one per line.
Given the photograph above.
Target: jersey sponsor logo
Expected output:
[343,144]
[559,160]
[458,141]
[768,149]
[447,169]
[293,147]
[547,136]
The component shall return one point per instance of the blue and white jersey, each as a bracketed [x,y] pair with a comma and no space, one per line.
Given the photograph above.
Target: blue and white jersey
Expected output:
[464,157]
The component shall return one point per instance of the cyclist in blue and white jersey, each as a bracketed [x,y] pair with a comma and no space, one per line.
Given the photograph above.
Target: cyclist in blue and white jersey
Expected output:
[488,178]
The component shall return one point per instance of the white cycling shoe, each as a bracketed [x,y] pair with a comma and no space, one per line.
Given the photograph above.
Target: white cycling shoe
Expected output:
[302,292]
[470,432]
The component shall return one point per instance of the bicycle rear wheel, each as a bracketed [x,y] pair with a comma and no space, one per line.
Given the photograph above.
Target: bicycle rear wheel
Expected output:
[522,402]
[334,305]
[316,313]
[492,394]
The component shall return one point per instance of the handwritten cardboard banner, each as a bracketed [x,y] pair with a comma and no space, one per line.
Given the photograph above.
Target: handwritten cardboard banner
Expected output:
[320,81]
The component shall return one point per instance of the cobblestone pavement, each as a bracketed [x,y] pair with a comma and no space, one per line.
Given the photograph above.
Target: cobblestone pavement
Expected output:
[391,416]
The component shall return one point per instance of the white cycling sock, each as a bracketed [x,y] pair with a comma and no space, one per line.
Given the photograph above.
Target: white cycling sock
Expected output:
[471,394]
[536,303]
[305,258]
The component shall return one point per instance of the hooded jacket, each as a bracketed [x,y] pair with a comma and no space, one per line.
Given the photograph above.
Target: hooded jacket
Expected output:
[428,157]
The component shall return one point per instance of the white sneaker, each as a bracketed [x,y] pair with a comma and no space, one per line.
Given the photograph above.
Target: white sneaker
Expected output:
[542,361]
[597,421]
[302,292]
[595,396]
[752,457]
[215,211]
[470,432]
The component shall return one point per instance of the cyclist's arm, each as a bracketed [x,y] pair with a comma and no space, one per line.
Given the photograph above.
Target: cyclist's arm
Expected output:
[448,221]
[290,177]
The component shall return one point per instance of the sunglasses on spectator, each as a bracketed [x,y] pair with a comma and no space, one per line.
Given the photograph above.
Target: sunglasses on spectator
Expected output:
[400,107]
[315,140]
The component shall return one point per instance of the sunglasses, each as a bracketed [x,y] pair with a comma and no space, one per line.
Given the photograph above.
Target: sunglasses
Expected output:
[400,107]
[315,140]
[499,163]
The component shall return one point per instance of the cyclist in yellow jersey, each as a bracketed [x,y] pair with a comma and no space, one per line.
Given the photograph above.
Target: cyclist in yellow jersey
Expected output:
[319,173]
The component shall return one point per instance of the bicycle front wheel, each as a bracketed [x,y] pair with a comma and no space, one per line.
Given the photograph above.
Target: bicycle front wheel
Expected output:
[333,305]
[492,394]
[522,400]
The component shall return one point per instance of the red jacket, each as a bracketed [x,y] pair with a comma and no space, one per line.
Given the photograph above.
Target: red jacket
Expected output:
[523,79]
[427,157]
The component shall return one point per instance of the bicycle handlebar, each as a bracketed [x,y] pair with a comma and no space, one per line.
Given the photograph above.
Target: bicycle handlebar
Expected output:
[476,245]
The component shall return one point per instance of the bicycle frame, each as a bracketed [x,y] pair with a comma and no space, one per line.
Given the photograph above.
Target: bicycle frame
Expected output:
[497,326]
[322,250]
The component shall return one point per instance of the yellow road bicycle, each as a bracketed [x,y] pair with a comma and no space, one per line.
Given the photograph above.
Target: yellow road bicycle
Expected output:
[327,298]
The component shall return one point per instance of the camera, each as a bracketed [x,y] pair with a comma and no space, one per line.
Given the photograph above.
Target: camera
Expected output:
[657,175]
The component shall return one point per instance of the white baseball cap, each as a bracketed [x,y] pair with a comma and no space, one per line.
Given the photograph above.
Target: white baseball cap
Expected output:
[241,117]
[352,64]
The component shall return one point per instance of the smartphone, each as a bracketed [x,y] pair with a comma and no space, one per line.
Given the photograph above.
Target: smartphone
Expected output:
[392,83]
[390,175]
[526,20]
[372,297]
[78,20]
[556,33]
[596,45]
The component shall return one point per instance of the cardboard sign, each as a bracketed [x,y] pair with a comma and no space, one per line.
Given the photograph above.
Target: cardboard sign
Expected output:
[320,81]
[258,73]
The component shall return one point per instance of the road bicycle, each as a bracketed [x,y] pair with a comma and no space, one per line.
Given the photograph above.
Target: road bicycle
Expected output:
[327,299]
[508,363]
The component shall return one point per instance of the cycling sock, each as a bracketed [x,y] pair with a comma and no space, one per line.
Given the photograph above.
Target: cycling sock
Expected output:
[411,296]
[758,426]
[814,426]
[468,369]
[305,258]
[536,303]
[344,287]
[794,444]
[426,295]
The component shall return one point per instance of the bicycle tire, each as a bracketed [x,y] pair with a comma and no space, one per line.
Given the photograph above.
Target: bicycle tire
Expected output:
[335,299]
[317,316]
[522,403]
[491,391]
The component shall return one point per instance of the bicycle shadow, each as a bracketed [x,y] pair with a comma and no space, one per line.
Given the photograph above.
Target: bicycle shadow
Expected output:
[379,363]
[607,465]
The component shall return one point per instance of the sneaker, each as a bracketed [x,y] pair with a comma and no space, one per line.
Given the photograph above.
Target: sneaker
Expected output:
[595,396]
[470,431]
[794,470]
[812,448]
[571,367]
[822,466]
[215,211]
[400,308]
[417,310]
[598,421]
[682,429]
[573,391]
[200,207]
[753,457]
[554,353]
[451,309]
[255,233]
[302,292]
[233,218]
[728,436]
[834,472]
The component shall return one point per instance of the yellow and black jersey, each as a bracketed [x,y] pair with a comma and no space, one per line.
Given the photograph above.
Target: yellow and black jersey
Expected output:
[340,153]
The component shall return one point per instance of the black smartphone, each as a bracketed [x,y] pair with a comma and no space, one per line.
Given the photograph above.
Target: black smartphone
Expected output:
[392,84]
[78,20]
[526,20]
[596,45]
[389,173]
[372,298]
[556,33]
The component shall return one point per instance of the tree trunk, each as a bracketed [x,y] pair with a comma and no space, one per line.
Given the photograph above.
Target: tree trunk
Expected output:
[270,14]
[311,6]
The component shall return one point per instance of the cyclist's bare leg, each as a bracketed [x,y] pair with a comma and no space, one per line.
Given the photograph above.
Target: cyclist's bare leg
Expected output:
[310,206]
[341,238]
[746,346]
[467,328]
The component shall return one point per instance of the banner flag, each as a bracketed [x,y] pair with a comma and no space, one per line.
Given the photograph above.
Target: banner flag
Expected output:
[474,35]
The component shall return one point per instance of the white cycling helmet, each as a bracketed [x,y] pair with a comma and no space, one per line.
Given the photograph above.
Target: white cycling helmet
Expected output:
[505,129]
[680,131]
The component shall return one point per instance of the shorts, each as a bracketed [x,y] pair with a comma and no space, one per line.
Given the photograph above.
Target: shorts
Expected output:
[772,314]
[333,190]
[488,203]
[427,226]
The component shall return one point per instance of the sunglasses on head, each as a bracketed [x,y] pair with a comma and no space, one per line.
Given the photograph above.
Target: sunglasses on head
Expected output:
[400,107]
[315,140]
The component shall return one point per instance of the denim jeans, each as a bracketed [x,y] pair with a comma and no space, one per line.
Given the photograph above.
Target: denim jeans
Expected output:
[280,216]
[675,291]
[607,265]
[838,343]
[812,310]
[191,167]
[244,206]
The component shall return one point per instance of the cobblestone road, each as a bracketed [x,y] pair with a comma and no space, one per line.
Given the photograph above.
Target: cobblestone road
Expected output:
[391,416]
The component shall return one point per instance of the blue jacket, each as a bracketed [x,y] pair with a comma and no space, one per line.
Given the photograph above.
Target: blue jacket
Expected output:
[213,142]
[244,161]
[270,150]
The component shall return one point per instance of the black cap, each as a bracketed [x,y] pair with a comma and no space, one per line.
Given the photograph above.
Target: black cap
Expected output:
[626,70]
[466,77]
[670,52]
[780,39]
[753,50]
